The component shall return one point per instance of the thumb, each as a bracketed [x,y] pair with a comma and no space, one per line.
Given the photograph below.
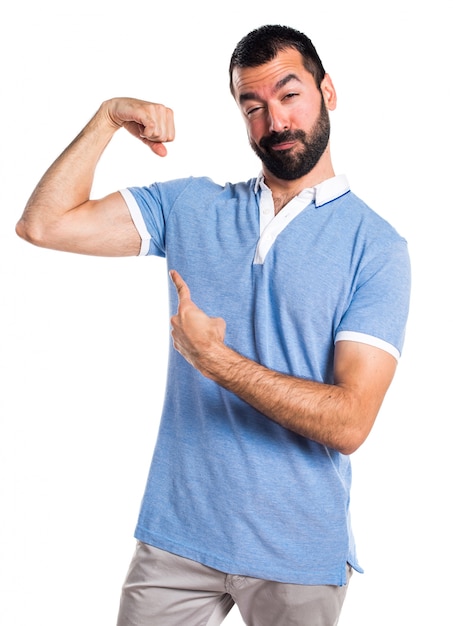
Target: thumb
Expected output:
[158,148]
[181,286]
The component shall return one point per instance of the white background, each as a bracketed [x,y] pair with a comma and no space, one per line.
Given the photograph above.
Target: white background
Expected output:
[84,340]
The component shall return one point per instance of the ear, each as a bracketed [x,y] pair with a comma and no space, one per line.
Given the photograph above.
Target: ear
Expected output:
[328,92]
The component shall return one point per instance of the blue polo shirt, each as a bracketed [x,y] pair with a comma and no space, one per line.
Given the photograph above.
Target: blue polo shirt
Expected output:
[228,487]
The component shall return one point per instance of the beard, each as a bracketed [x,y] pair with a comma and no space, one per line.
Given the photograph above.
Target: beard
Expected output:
[295,163]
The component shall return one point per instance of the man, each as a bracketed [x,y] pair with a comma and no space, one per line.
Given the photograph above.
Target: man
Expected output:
[285,346]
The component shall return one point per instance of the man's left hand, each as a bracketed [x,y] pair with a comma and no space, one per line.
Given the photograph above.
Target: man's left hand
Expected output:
[195,334]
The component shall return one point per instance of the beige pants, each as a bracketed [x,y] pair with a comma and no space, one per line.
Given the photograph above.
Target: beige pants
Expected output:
[162,589]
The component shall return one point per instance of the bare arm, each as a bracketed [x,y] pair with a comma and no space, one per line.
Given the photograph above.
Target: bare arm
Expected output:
[339,416]
[60,213]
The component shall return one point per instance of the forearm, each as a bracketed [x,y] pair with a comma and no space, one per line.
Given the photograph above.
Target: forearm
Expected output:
[67,183]
[318,411]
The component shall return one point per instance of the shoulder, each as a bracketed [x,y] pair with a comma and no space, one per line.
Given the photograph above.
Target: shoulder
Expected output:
[362,213]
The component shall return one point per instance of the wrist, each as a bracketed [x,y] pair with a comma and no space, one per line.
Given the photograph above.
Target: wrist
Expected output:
[217,362]
[106,115]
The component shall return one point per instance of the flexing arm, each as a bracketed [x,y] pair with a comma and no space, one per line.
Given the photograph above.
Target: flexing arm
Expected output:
[339,416]
[60,213]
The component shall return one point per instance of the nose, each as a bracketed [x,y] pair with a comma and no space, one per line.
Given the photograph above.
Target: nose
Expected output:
[278,119]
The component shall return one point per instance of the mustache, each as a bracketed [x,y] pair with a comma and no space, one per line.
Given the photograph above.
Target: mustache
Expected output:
[283,137]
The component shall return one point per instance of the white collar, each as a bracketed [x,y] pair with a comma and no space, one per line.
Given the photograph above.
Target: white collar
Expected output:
[324,192]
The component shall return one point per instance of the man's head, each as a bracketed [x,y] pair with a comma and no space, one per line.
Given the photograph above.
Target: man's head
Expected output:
[280,85]
[263,44]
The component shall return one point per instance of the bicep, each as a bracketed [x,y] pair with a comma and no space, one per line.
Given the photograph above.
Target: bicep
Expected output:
[101,227]
[364,372]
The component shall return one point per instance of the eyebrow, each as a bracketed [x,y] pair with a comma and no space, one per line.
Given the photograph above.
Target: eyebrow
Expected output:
[251,95]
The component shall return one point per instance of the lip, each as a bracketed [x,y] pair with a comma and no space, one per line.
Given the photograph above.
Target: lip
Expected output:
[284,146]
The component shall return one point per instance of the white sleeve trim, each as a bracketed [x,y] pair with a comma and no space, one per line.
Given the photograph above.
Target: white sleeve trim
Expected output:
[348,335]
[138,220]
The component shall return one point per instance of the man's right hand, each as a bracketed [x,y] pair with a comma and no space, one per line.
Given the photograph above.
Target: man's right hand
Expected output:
[151,123]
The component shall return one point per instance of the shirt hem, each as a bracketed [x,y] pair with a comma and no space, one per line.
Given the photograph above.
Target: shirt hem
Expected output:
[339,578]
[348,335]
[138,220]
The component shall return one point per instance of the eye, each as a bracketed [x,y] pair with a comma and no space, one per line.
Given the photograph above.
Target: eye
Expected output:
[253,111]
[289,96]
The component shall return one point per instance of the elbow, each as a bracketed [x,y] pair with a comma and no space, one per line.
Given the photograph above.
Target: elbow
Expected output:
[22,231]
[348,448]
[351,440]
[31,233]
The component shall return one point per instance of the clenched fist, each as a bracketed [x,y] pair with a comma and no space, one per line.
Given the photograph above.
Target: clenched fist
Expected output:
[151,123]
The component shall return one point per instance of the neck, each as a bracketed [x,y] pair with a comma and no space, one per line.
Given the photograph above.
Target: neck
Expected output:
[283,191]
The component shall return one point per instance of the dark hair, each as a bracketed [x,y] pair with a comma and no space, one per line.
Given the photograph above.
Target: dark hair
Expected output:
[263,44]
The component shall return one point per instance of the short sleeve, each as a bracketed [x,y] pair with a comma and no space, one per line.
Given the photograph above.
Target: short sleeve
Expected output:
[379,308]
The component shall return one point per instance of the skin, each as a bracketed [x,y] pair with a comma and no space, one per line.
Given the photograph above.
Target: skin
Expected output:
[277,96]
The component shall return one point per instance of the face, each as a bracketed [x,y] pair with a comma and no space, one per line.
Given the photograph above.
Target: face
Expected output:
[286,114]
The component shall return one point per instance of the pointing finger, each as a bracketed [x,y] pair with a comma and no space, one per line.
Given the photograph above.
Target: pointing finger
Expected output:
[181,286]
